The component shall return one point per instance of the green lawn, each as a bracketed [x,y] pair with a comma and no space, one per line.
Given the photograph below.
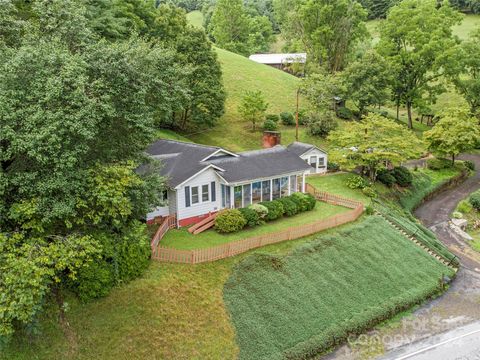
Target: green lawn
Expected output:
[195,18]
[337,184]
[182,239]
[293,306]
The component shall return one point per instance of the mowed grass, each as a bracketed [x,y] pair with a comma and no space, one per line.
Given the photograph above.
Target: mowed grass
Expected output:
[291,306]
[337,184]
[173,311]
[240,75]
[182,239]
[195,18]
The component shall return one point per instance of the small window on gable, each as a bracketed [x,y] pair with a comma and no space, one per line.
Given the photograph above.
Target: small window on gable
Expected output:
[195,197]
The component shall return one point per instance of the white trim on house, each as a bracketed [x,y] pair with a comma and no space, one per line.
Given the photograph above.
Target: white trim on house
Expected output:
[216,153]
[211,166]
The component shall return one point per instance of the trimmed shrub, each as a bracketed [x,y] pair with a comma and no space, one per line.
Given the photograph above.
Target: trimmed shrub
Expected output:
[275,209]
[321,125]
[474,200]
[470,165]
[369,210]
[357,182]
[287,118]
[289,206]
[274,117]
[251,216]
[464,207]
[333,166]
[369,191]
[261,210]
[270,125]
[402,176]
[345,113]
[438,164]
[311,201]
[386,178]
[229,220]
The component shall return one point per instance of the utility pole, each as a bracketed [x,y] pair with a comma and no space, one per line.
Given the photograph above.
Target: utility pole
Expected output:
[296,117]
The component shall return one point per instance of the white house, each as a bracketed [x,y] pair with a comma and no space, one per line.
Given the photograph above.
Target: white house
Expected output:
[312,155]
[205,179]
[279,60]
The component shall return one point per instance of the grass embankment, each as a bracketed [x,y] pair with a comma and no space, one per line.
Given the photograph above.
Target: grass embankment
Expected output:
[182,239]
[425,182]
[173,311]
[305,302]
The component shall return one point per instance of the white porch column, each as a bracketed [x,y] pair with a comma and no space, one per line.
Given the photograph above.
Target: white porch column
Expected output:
[289,185]
[232,199]
[303,183]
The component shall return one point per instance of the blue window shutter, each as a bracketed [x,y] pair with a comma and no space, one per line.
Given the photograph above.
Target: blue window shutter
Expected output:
[214,193]
[187,196]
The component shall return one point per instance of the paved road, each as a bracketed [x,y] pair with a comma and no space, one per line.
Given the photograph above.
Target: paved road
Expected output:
[435,214]
[458,344]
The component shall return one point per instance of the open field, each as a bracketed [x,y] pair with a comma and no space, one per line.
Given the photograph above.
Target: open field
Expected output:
[182,239]
[195,18]
[300,304]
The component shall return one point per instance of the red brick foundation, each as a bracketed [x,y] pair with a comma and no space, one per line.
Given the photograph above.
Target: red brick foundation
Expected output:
[193,220]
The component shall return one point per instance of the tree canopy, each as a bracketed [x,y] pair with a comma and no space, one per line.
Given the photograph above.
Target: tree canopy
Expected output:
[253,107]
[413,39]
[329,30]
[456,132]
[373,143]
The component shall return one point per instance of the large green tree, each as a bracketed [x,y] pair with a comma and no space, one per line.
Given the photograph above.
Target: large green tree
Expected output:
[456,132]
[414,39]
[233,28]
[464,71]
[372,143]
[76,113]
[367,81]
[329,30]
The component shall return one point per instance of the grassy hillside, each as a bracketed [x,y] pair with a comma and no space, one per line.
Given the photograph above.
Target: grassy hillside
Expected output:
[239,75]
[195,18]
[301,304]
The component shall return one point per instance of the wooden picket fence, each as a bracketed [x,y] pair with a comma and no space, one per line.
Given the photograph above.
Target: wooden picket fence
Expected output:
[196,256]
[167,223]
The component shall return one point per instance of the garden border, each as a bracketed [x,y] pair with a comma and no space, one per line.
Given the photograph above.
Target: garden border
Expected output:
[196,256]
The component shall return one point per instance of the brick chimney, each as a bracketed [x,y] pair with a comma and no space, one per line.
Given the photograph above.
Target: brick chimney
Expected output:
[271,139]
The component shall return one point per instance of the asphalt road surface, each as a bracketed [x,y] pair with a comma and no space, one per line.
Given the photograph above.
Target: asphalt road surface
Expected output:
[459,344]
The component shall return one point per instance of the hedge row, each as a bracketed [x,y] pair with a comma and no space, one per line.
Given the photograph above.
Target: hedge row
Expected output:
[232,220]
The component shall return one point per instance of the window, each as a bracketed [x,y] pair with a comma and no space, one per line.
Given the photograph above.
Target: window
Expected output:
[284,186]
[313,161]
[275,189]
[266,190]
[237,196]
[247,197]
[195,198]
[225,196]
[205,193]
[321,161]
[256,192]
[293,184]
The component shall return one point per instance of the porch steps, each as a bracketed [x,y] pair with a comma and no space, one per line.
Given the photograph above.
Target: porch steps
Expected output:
[203,225]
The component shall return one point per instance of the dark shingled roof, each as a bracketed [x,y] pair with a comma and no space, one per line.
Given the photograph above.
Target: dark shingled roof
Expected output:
[258,164]
[181,160]
[300,148]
